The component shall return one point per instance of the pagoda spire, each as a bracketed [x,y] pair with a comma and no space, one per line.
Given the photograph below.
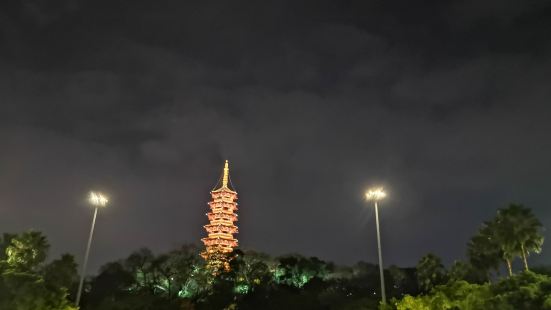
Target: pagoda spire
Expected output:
[226,175]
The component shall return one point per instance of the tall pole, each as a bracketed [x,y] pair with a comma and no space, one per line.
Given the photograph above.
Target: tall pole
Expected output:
[83,272]
[381,270]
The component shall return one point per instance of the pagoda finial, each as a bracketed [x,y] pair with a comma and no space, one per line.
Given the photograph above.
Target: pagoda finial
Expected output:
[226,174]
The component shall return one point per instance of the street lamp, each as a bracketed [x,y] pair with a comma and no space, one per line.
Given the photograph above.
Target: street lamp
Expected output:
[375,195]
[98,201]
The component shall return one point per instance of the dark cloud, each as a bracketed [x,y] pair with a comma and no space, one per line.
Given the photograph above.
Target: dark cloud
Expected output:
[445,103]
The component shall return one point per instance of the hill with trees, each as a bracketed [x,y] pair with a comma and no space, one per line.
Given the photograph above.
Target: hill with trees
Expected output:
[178,279]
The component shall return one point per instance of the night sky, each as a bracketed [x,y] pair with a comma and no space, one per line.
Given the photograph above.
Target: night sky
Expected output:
[446,104]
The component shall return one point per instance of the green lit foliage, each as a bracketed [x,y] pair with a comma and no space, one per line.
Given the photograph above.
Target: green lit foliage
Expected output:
[526,290]
[504,233]
[218,262]
[247,273]
[198,283]
[178,268]
[241,289]
[176,274]
[181,277]
[430,272]
[163,273]
[140,264]
[27,251]
[251,270]
[514,232]
[260,282]
[454,295]
[523,229]
[484,251]
[156,279]
[461,270]
[297,270]
[5,241]
[26,282]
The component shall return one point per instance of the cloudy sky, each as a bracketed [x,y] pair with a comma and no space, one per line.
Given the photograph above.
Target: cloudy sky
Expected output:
[446,104]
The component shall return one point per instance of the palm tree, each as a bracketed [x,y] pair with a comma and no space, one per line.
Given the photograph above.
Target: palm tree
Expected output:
[484,251]
[514,232]
[504,234]
[495,241]
[521,230]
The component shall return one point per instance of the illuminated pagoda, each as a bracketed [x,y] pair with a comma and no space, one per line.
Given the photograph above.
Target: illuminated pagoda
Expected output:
[220,242]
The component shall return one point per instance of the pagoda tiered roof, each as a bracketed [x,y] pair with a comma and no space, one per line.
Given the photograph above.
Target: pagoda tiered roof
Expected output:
[220,240]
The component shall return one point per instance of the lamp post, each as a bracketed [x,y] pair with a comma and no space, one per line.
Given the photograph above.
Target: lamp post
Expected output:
[98,201]
[375,195]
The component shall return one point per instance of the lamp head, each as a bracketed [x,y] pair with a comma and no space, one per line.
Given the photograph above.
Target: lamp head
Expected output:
[375,194]
[97,199]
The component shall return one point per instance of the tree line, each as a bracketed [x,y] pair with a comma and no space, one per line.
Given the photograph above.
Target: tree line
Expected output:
[178,279]
[478,283]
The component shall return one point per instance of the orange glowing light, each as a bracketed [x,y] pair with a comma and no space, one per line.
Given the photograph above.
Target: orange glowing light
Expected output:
[220,241]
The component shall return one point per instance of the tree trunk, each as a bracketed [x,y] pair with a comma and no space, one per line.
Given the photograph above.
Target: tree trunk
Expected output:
[524,258]
[509,267]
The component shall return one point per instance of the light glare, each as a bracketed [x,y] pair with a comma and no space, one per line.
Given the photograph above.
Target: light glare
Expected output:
[375,194]
[97,199]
